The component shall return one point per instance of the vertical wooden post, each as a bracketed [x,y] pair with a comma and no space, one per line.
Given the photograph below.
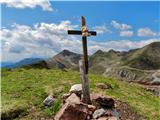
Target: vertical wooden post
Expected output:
[84,64]
[85,83]
[84,43]
[85,54]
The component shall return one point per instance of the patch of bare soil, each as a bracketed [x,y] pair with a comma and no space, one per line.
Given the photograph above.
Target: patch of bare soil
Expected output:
[126,112]
[154,89]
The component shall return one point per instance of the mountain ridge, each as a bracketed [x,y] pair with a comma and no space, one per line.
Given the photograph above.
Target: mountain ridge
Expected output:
[133,65]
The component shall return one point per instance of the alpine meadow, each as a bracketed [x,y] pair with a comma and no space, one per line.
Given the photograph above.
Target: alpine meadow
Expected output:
[80,60]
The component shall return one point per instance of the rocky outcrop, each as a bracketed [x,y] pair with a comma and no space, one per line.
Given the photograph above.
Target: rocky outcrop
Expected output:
[121,73]
[126,74]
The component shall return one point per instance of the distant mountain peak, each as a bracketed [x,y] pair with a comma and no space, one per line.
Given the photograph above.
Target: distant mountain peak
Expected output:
[154,45]
[99,52]
[65,50]
[113,51]
[67,53]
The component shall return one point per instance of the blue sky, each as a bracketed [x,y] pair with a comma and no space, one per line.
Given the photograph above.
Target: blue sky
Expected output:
[133,23]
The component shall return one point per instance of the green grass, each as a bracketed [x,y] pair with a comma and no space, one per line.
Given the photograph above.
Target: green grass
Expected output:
[25,90]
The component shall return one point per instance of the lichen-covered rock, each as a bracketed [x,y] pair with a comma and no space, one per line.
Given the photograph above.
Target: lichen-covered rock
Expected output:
[77,88]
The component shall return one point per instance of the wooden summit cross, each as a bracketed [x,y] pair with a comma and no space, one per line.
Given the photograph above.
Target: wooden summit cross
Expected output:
[84,65]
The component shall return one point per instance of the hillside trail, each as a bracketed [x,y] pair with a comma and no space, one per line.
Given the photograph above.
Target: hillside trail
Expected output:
[156,76]
[154,88]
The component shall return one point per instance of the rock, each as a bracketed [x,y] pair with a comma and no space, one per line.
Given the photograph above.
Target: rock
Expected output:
[65,96]
[70,111]
[108,113]
[103,101]
[95,96]
[77,88]
[103,118]
[104,86]
[112,118]
[107,118]
[126,74]
[49,101]
[98,113]
[73,98]
[112,112]
[92,108]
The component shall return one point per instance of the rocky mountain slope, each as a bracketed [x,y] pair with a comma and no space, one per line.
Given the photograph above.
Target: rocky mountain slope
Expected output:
[137,65]
[65,59]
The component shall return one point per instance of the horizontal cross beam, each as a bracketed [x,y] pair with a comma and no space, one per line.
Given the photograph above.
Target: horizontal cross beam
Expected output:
[78,32]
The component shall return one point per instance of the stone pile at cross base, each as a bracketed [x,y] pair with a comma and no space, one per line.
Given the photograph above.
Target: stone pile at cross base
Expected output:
[73,108]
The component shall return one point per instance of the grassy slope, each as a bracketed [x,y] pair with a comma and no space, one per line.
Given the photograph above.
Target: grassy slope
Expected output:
[26,89]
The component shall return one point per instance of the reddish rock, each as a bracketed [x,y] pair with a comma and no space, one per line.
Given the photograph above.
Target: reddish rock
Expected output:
[65,96]
[103,118]
[112,118]
[92,108]
[103,101]
[73,98]
[94,96]
[70,111]
[107,118]
[74,109]
[104,86]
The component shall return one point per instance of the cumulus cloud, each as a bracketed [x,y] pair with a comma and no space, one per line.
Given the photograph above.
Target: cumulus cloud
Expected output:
[46,40]
[120,26]
[21,4]
[126,33]
[124,29]
[144,32]
[41,40]
[101,29]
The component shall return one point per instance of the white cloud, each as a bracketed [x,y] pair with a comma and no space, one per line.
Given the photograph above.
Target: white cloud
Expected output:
[120,26]
[21,4]
[101,29]
[144,32]
[46,40]
[120,45]
[124,29]
[126,33]
[42,40]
